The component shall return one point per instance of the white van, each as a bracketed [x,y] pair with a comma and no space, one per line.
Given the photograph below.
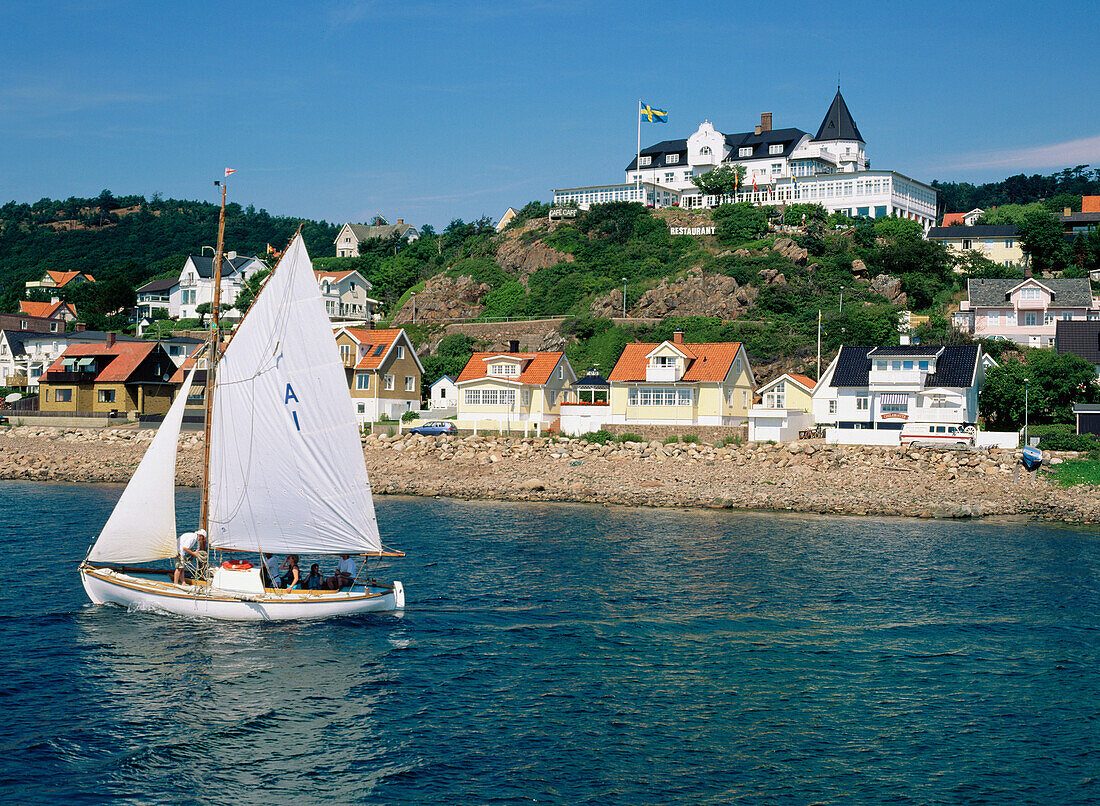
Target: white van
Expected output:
[937,434]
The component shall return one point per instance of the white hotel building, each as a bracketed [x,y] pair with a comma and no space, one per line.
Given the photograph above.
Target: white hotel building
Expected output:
[781,166]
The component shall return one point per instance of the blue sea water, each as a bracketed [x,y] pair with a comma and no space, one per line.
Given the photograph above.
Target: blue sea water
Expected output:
[573,654]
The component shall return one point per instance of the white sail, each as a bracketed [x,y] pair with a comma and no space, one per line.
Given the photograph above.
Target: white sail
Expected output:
[142,526]
[287,473]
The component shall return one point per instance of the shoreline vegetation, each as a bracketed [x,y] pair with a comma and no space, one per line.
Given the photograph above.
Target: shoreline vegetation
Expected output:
[806,477]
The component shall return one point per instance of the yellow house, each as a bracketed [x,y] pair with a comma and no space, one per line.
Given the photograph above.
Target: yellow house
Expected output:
[674,383]
[786,407]
[125,377]
[513,389]
[383,371]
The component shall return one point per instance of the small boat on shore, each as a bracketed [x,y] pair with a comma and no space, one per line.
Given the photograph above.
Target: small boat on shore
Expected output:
[283,473]
[1032,457]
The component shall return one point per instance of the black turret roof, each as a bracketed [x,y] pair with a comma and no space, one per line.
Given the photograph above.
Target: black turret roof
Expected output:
[838,123]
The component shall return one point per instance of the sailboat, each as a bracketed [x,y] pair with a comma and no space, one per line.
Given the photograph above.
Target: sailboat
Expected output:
[283,472]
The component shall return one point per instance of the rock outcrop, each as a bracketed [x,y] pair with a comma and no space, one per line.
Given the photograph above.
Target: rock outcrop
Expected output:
[790,250]
[445,298]
[519,255]
[695,294]
[890,287]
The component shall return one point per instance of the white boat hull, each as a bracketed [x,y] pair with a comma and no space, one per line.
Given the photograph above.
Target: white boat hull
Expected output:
[105,586]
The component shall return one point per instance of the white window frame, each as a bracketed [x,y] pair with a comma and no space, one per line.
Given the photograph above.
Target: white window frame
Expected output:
[744,151]
[863,403]
[388,386]
[644,160]
[672,159]
[400,351]
[362,381]
[775,148]
[410,383]
[832,407]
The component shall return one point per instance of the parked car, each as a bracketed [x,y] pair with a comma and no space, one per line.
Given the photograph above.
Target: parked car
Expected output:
[435,428]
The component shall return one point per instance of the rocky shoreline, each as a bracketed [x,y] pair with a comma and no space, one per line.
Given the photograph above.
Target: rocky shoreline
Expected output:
[799,477]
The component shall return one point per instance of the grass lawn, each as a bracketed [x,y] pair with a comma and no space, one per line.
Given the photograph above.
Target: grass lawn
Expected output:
[1076,471]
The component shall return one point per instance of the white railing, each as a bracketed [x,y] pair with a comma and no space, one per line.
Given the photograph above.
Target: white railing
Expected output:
[662,374]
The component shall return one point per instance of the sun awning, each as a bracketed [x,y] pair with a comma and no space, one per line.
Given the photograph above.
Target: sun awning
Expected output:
[939,390]
[84,363]
[894,399]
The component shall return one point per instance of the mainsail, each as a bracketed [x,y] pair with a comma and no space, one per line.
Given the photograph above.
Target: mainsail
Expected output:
[287,473]
[142,526]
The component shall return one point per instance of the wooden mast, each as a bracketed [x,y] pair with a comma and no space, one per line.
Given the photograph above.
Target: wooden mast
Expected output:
[211,364]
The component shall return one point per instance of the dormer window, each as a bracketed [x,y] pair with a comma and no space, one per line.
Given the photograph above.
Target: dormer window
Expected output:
[1030,293]
[645,161]
[744,151]
[505,370]
[663,361]
[777,148]
[672,159]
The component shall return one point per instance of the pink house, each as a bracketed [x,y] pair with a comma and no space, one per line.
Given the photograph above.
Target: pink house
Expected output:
[1025,311]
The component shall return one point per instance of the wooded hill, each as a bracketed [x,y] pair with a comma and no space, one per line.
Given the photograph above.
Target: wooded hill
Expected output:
[132,239]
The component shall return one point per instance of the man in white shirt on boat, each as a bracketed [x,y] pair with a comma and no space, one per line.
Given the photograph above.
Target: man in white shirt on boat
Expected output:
[271,566]
[191,544]
[345,574]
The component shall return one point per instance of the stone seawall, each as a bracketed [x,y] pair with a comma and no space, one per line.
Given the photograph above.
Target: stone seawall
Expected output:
[801,477]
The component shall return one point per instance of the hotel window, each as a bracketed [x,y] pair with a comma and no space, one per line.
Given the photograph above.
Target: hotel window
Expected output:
[410,383]
[861,403]
[106,395]
[389,383]
[672,159]
[362,381]
[775,149]
[745,151]
[645,161]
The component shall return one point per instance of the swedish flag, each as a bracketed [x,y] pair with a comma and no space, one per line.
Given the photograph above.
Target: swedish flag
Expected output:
[653,115]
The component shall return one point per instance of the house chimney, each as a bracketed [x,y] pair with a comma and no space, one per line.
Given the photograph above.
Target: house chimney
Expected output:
[79,327]
[400,221]
[110,339]
[513,346]
[758,129]
[766,121]
[678,337]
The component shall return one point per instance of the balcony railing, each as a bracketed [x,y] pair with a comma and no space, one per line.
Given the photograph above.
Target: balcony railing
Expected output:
[662,374]
[900,377]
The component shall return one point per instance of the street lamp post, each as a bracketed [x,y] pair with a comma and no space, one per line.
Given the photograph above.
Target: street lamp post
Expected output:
[414,307]
[841,300]
[624,298]
[1026,443]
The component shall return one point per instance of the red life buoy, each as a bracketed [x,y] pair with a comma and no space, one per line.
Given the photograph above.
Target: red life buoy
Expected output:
[236,565]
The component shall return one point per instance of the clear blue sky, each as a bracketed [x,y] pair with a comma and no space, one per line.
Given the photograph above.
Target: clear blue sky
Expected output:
[435,110]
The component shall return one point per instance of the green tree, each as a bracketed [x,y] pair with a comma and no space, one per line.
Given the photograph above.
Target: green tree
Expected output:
[1041,239]
[249,290]
[721,181]
[895,228]
[740,223]
[452,354]
[1055,383]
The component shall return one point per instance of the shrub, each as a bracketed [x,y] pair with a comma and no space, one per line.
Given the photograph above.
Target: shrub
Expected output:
[692,439]
[1067,442]
[732,439]
[629,437]
[673,440]
[409,416]
[600,437]
[384,418]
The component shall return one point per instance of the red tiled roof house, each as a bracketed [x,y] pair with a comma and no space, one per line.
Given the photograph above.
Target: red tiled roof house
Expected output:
[676,383]
[125,376]
[384,372]
[509,389]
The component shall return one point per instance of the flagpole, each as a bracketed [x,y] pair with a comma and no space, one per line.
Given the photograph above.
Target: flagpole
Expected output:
[638,158]
[819,344]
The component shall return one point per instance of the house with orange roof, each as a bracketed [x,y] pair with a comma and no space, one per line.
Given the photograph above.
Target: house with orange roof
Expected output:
[513,389]
[962,219]
[383,371]
[677,383]
[54,280]
[56,311]
[785,408]
[131,377]
[345,295]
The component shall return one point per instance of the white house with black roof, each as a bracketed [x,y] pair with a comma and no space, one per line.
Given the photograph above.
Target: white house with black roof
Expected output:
[155,294]
[785,165]
[883,388]
[195,286]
